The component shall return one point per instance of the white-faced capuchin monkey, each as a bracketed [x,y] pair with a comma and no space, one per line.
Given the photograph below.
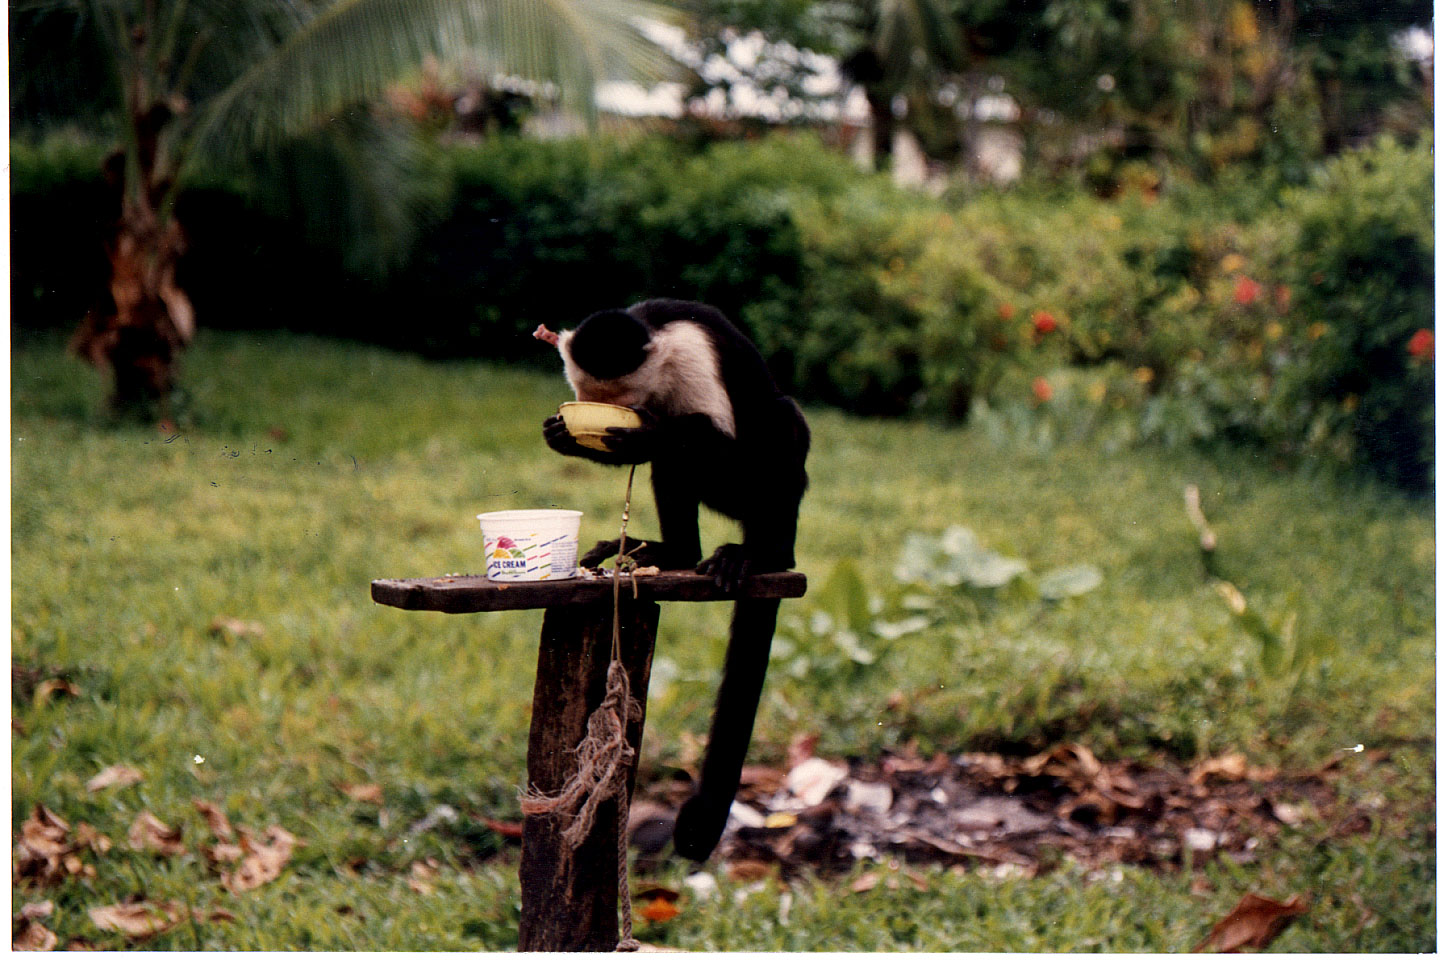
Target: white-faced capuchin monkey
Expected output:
[716,430]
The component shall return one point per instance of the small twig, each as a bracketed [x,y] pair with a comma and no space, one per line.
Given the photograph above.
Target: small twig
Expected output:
[1197,517]
[1208,540]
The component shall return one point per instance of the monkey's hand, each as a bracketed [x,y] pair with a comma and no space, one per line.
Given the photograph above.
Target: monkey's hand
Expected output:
[562,441]
[729,565]
[636,444]
[559,439]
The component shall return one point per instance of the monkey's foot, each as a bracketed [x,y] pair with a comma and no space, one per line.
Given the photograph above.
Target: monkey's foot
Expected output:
[644,553]
[728,565]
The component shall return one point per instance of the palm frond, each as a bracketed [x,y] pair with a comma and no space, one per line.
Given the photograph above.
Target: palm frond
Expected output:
[915,36]
[352,50]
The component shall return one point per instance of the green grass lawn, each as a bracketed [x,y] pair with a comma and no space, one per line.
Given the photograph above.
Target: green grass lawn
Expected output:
[304,469]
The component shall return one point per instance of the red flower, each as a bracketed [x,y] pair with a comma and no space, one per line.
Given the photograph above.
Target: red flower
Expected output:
[1042,390]
[1422,346]
[1044,322]
[1006,311]
[1247,291]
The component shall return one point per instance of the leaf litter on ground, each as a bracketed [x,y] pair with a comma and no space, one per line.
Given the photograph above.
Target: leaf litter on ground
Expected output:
[1005,814]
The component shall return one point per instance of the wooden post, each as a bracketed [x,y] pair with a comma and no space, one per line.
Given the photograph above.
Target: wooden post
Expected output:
[577,911]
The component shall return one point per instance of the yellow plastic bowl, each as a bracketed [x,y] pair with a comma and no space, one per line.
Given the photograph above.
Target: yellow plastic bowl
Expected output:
[587,422]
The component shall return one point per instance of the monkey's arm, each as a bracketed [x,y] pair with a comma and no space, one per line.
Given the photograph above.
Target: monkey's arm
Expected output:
[679,511]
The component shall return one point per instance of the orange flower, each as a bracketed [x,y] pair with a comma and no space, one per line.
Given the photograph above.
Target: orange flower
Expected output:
[1282,298]
[1247,291]
[1006,311]
[1044,322]
[1042,390]
[658,911]
[1422,346]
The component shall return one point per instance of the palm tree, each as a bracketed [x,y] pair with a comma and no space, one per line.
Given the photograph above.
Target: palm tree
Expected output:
[902,46]
[174,81]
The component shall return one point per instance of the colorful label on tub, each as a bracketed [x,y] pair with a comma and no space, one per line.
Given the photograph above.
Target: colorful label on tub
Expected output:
[529,557]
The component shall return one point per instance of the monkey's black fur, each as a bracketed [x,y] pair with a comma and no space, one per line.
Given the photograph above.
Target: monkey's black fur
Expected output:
[756,477]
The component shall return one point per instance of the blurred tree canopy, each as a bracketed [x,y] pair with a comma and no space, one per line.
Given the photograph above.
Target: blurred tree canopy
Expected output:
[230,80]
[1201,84]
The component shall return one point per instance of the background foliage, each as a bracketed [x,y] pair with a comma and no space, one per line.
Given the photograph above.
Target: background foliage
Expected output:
[1282,315]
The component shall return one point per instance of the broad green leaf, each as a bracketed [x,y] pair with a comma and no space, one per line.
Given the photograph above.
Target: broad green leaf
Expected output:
[1069,581]
[845,592]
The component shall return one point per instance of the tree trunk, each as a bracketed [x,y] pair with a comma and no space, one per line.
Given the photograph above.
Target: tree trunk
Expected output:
[882,126]
[138,331]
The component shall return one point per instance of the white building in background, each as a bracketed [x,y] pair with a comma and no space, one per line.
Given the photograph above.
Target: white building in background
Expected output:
[994,147]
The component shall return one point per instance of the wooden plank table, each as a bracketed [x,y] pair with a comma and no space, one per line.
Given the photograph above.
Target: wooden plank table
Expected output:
[576,912]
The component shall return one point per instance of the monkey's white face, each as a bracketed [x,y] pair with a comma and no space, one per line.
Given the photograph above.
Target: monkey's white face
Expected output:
[607,391]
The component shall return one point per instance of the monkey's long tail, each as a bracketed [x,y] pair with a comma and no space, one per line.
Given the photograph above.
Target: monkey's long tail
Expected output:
[702,818]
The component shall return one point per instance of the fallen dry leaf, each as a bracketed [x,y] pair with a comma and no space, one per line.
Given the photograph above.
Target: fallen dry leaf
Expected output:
[802,748]
[79,943]
[224,852]
[39,910]
[31,935]
[1255,922]
[505,828]
[1230,766]
[118,775]
[264,861]
[1287,813]
[364,792]
[54,687]
[88,836]
[764,779]
[655,892]
[742,870]
[421,875]
[866,881]
[1068,761]
[138,921]
[45,833]
[44,843]
[812,780]
[232,629]
[149,833]
[215,819]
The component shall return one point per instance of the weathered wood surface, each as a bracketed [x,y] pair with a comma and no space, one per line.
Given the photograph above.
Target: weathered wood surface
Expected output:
[569,685]
[475,594]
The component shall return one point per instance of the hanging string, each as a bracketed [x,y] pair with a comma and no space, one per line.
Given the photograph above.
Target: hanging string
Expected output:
[604,758]
[627,943]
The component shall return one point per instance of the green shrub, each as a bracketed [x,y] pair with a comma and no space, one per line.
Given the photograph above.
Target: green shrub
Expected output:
[1152,317]
[1363,269]
[60,210]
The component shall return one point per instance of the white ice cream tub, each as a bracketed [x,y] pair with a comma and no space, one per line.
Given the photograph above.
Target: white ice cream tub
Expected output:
[530,544]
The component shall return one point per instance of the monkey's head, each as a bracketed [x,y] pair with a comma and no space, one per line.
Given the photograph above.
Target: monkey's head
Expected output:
[609,344]
[603,356]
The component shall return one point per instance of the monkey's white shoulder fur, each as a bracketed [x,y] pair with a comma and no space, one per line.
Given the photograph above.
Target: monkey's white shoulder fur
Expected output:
[681,375]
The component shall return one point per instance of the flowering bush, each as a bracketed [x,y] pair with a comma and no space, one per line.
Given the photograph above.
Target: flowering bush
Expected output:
[1177,317]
